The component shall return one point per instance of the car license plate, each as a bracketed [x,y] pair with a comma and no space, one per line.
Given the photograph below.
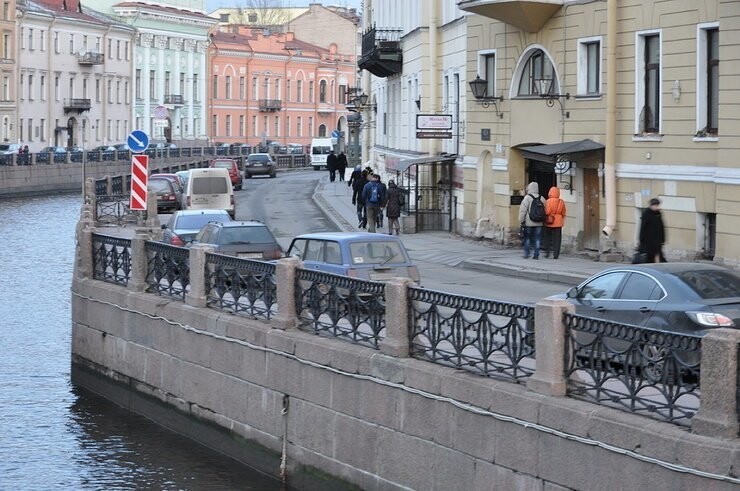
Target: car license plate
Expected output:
[382,276]
[249,255]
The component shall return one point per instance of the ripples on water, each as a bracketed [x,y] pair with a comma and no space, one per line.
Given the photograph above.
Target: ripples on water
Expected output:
[52,434]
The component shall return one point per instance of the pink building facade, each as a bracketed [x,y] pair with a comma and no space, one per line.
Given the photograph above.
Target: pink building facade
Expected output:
[271,86]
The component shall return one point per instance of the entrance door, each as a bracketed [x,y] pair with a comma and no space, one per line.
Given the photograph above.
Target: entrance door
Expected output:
[543,173]
[591,209]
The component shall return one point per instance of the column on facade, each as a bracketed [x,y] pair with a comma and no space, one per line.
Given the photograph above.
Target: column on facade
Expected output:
[146,93]
[189,88]
[175,78]
[202,89]
[160,81]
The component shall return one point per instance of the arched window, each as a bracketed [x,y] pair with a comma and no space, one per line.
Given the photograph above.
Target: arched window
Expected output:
[538,76]
[322,91]
[322,131]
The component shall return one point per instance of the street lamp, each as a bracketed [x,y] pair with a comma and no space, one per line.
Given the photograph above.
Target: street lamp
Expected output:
[544,88]
[354,122]
[479,88]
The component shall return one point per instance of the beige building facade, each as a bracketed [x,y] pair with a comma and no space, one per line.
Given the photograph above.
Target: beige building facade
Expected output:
[676,117]
[8,77]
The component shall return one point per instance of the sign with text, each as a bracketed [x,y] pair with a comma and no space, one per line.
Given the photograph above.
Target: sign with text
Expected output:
[441,135]
[139,181]
[434,122]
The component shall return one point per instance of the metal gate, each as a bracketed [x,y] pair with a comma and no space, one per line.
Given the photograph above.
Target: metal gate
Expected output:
[427,183]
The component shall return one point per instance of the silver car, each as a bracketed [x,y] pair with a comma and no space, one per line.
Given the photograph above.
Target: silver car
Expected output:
[184,225]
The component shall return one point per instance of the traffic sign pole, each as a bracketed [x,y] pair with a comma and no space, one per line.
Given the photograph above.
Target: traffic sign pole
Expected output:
[139,182]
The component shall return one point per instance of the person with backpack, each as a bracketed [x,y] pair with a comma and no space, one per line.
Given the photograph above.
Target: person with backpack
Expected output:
[373,195]
[395,201]
[554,220]
[532,218]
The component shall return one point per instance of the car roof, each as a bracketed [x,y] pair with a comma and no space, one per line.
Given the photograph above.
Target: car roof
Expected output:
[201,212]
[259,154]
[668,268]
[339,236]
[244,223]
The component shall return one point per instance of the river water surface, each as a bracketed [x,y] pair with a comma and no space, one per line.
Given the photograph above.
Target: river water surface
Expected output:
[54,435]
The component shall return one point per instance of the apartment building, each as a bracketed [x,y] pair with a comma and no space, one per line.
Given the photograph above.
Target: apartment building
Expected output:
[8,73]
[74,76]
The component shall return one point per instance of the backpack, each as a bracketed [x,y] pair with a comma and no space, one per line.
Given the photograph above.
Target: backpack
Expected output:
[374,193]
[537,210]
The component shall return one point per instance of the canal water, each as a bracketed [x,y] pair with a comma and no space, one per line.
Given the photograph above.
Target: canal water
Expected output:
[54,435]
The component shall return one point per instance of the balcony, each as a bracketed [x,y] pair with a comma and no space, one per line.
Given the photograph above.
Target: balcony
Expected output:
[325,108]
[270,105]
[381,52]
[527,15]
[89,59]
[76,105]
[174,100]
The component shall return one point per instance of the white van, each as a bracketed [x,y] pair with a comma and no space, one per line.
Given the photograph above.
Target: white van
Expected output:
[320,149]
[210,188]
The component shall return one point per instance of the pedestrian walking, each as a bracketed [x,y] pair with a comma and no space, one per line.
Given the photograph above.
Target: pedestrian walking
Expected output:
[395,201]
[374,196]
[554,221]
[358,180]
[331,165]
[341,165]
[379,215]
[531,219]
[652,233]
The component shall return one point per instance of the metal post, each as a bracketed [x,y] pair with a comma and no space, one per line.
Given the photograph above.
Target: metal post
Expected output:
[354,157]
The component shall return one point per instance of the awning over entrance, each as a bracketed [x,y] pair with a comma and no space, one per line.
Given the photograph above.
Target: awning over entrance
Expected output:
[403,165]
[559,152]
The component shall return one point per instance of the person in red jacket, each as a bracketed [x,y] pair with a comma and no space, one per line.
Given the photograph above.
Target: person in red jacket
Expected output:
[554,220]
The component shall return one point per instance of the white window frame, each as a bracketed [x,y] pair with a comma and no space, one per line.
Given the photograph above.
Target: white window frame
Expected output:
[481,67]
[522,62]
[582,80]
[640,82]
[701,77]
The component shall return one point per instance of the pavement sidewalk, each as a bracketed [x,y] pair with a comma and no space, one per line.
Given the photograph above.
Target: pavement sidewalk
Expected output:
[335,200]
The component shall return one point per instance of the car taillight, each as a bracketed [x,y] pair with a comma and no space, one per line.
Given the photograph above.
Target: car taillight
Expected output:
[273,254]
[170,197]
[175,240]
[710,319]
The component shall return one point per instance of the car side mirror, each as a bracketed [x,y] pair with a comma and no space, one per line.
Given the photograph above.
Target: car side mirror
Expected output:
[572,293]
[164,226]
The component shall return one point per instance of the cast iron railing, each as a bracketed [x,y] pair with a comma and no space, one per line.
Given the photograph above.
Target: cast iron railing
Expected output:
[642,370]
[117,185]
[168,269]
[341,307]
[241,286]
[482,336]
[114,209]
[111,259]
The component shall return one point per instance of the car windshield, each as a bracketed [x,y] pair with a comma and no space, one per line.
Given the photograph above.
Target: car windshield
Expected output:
[377,252]
[321,150]
[709,284]
[160,186]
[4,147]
[192,222]
[258,158]
[209,185]
[251,234]
[223,164]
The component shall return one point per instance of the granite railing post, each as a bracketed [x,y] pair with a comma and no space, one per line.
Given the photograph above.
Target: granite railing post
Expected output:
[152,219]
[139,261]
[396,340]
[84,251]
[285,280]
[549,339]
[717,415]
[197,296]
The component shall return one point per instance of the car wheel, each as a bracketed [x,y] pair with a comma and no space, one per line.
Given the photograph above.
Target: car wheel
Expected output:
[316,168]
[273,175]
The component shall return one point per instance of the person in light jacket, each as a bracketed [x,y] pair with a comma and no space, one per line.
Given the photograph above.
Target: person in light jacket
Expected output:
[532,229]
[554,221]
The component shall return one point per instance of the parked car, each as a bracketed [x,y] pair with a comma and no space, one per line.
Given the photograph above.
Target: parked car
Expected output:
[184,225]
[53,150]
[167,193]
[357,254]
[122,147]
[183,175]
[296,149]
[209,189]
[105,151]
[179,189]
[232,167]
[9,148]
[251,239]
[259,164]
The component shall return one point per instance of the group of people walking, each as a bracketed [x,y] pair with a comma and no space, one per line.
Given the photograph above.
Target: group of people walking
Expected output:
[371,197]
[542,223]
[337,165]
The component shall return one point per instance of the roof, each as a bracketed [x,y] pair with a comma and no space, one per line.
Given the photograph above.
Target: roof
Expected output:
[346,236]
[433,159]
[70,9]
[165,9]
[556,151]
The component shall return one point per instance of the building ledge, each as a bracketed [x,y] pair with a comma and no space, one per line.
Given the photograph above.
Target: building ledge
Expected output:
[528,15]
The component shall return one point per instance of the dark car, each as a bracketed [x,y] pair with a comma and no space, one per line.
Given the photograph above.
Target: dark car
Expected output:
[232,167]
[259,164]
[179,187]
[251,240]
[53,150]
[169,198]
[184,225]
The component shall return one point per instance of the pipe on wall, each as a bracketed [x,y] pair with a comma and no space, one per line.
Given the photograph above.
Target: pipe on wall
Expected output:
[610,174]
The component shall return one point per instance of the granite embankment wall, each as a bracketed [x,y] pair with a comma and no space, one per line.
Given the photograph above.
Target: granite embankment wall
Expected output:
[363,417]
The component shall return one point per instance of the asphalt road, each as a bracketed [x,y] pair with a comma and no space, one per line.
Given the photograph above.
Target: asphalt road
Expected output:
[286,206]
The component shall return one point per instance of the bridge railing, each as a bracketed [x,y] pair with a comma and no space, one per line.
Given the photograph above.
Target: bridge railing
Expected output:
[547,347]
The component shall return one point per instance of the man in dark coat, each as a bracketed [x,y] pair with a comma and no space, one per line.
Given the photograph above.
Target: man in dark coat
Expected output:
[358,184]
[373,194]
[394,203]
[341,165]
[331,165]
[652,233]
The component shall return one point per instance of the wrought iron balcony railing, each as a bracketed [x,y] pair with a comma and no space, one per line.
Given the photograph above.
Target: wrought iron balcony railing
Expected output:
[270,104]
[173,99]
[78,105]
[90,58]
[381,52]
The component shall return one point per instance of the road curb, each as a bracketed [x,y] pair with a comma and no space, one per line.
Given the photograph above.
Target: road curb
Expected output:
[329,212]
[517,272]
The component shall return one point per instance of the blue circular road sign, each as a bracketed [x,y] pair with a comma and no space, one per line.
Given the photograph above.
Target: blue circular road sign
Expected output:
[138,141]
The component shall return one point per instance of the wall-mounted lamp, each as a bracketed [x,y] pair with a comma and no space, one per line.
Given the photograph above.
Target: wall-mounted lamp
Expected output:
[544,86]
[479,87]
[418,103]
[360,102]
[676,90]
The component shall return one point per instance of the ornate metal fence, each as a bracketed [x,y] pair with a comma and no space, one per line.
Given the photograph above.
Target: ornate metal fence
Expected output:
[168,269]
[482,336]
[101,187]
[114,209]
[241,286]
[645,371]
[117,185]
[341,307]
[111,259]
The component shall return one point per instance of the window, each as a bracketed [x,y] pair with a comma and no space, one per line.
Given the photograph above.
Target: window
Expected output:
[56,87]
[30,87]
[648,89]
[215,87]
[71,87]
[118,49]
[310,126]
[118,91]
[6,88]
[228,125]
[110,49]
[299,126]
[20,85]
[97,44]
[254,88]
[125,92]
[42,40]
[242,125]
[30,39]
[152,85]
[181,92]
[214,125]
[71,44]
[277,88]
[30,130]
[322,91]
[538,76]
[56,42]
[266,88]
[641,287]
[264,126]
[126,53]
[287,125]
[84,88]
[343,94]
[251,18]
[287,90]
[109,91]
[489,71]
[97,90]
[707,82]
[299,91]
[228,87]
[322,130]
[254,125]
[42,130]
[21,129]
[84,42]
[6,46]
[589,66]
[167,83]
[242,88]
[604,286]
[137,83]
[310,91]
[196,97]
[223,18]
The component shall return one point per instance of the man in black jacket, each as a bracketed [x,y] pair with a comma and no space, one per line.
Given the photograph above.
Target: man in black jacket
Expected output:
[652,233]
[358,184]
[341,165]
[331,165]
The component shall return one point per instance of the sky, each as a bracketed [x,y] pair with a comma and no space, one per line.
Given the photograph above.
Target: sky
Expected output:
[214,4]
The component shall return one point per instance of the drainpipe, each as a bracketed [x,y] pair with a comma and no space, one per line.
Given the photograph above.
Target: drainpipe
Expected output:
[433,68]
[610,174]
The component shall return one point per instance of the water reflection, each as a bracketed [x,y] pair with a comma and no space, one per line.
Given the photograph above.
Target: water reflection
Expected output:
[55,436]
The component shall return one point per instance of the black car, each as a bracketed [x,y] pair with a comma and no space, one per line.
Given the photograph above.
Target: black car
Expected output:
[251,240]
[168,196]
